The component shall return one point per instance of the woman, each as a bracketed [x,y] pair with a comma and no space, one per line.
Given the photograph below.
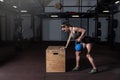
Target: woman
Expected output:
[79,35]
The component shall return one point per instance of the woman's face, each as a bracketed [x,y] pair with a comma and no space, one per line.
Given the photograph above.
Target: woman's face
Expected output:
[65,28]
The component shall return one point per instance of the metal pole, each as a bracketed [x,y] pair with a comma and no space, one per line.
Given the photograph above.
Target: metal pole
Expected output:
[96,22]
[33,25]
[5,26]
[87,26]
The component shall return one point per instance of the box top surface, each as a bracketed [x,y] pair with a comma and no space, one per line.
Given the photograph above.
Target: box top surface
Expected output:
[55,47]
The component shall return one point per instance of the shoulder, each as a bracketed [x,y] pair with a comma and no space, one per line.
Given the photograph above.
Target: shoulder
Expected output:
[79,29]
[82,29]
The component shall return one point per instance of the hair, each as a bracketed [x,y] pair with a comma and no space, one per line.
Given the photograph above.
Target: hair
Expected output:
[66,23]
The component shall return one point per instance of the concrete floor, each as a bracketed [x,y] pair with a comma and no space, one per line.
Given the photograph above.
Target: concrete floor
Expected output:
[29,64]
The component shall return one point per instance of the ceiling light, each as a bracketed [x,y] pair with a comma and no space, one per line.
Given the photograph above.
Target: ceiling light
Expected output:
[75,16]
[54,16]
[15,6]
[117,2]
[23,11]
[1,0]
[106,11]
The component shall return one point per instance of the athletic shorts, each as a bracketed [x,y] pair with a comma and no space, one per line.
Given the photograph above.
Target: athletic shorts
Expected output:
[88,39]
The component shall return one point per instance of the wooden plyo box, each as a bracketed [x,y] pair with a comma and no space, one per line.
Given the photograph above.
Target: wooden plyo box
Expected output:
[55,59]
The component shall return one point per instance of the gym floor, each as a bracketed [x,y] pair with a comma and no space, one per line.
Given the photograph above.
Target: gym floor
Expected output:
[29,64]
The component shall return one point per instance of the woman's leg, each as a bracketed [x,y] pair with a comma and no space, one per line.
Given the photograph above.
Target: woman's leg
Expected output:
[89,57]
[77,57]
[77,54]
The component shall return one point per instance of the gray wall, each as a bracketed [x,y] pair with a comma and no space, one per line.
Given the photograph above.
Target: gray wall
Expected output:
[27,26]
[77,22]
[51,27]
[117,16]
[7,25]
[74,21]
[104,29]
[51,30]
[71,3]
[45,30]
[30,25]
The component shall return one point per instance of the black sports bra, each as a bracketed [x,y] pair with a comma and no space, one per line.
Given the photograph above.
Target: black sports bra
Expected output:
[76,35]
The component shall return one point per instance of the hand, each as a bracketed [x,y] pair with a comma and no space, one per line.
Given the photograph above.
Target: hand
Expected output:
[63,48]
[78,39]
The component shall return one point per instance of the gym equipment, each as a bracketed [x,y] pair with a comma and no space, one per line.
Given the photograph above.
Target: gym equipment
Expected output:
[78,46]
[115,23]
[55,59]
[99,32]
[58,6]
[99,25]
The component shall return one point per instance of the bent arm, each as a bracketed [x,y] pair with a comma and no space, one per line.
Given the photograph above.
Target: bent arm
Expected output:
[83,31]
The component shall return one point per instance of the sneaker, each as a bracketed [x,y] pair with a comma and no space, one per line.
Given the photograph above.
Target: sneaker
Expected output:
[93,71]
[75,69]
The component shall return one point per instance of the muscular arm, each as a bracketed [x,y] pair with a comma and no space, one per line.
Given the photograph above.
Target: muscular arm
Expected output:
[68,41]
[83,31]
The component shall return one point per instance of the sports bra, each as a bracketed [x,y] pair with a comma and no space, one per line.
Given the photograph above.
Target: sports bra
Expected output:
[75,35]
